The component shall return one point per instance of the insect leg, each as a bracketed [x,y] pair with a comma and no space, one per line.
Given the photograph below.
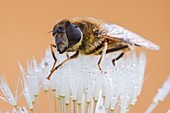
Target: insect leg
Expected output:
[54,57]
[117,58]
[120,56]
[67,54]
[102,55]
[69,58]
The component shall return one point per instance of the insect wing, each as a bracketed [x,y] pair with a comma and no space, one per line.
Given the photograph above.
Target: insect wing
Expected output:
[118,32]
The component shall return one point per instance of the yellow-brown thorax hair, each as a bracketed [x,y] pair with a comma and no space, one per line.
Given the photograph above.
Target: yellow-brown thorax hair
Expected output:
[90,42]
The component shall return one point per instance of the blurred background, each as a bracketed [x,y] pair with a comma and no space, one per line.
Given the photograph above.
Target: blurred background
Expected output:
[24,27]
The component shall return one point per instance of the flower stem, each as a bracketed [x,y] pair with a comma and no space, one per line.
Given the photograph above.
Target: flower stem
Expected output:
[128,110]
[87,107]
[55,107]
[79,108]
[16,107]
[48,100]
[66,108]
[151,108]
[63,104]
[104,98]
[38,105]
[74,106]
[117,108]
[112,110]
[32,110]
[60,104]
[84,103]
[94,106]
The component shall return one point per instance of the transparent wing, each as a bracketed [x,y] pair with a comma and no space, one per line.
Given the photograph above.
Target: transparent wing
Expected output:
[127,36]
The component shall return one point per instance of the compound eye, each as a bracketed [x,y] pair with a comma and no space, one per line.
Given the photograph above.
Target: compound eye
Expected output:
[74,34]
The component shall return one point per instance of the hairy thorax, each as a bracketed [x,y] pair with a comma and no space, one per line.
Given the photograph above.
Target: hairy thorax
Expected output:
[91,43]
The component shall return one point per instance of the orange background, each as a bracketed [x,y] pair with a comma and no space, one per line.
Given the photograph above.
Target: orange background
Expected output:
[24,25]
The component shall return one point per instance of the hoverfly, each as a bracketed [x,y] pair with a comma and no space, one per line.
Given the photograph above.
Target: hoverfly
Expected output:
[90,36]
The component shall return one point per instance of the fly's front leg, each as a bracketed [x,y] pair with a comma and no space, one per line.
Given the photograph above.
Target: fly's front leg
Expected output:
[69,58]
[102,55]
[53,54]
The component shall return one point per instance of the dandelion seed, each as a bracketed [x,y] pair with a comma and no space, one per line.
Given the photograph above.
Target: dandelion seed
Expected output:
[26,90]
[168,111]
[34,78]
[8,96]
[160,96]
[20,110]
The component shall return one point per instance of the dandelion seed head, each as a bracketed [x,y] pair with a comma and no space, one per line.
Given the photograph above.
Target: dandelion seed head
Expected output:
[115,88]
[82,81]
[120,84]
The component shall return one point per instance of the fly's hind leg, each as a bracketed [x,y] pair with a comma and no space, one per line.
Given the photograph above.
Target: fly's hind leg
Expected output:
[117,58]
[102,55]
[125,48]
[121,55]
[69,58]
